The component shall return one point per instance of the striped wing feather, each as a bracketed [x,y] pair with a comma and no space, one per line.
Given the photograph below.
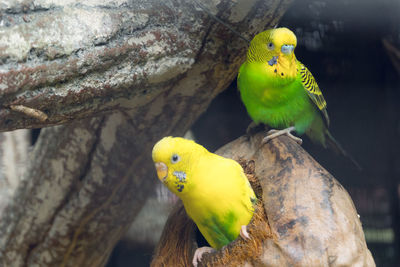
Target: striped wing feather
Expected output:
[311,86]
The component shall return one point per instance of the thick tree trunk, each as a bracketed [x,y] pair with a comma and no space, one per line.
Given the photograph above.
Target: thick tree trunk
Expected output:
[306,217]
[146,69]
[69,61]
[14,147]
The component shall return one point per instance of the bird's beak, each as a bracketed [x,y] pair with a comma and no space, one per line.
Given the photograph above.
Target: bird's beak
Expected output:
[162,170]
[287,49]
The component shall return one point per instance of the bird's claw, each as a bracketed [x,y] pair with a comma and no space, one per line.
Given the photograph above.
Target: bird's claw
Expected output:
[198,254]
[243,232]
[271,134]
[295,138]
[272,131]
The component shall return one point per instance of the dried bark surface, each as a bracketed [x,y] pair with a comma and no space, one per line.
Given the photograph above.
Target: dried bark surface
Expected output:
[310,218]
[14,148]
[122,74]
[72,59]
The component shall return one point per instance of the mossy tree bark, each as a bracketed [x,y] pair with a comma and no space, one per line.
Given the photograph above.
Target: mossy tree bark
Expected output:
[119,75]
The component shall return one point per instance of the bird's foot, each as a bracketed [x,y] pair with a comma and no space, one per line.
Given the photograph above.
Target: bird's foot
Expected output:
[275,133]
[243,232]
[198,254]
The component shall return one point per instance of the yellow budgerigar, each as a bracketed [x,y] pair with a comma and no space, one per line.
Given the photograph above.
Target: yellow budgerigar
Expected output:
[214,190]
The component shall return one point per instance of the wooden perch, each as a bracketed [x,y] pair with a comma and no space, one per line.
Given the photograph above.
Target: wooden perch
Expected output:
[308,218]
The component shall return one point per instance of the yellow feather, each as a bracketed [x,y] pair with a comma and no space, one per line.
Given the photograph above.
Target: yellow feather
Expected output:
[260,51]
[214,190]
[312,88]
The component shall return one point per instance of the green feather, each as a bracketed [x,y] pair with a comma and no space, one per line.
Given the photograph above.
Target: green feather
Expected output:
[284,94]
[281,92]
[285,104]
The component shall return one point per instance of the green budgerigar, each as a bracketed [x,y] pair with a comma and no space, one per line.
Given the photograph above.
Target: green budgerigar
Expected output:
[279,91]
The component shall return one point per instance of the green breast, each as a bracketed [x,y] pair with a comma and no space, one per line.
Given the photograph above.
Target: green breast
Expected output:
[272,100]
[219,229]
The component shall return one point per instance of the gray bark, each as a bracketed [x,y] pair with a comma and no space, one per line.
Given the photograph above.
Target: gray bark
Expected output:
[14,147]
[72,60]
[122,74]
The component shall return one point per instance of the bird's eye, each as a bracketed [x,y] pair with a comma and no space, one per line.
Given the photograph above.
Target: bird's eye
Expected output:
[270,46]
[175,158]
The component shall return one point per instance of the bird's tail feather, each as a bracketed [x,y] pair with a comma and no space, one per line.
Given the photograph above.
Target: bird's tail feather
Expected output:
[331,142]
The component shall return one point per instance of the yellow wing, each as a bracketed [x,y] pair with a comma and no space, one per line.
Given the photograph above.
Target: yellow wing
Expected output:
[311,87]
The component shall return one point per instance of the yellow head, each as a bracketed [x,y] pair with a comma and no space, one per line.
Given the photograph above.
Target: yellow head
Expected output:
[175,158]
[279,42]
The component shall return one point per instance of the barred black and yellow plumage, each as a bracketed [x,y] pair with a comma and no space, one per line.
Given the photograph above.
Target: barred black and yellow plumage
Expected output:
[309,83]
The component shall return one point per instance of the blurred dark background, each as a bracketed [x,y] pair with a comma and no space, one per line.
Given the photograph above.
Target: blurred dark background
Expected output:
[353,50]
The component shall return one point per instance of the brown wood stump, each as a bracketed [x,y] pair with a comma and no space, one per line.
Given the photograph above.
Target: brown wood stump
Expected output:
[304,217]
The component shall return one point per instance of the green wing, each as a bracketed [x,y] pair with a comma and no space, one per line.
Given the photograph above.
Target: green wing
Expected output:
[311,87]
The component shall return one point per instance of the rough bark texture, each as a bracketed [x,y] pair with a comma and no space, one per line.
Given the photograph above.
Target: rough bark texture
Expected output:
[146,69]
[14,147]
[70,60]
[310,218]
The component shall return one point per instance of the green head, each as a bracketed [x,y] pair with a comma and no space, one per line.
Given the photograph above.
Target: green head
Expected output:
[272,44]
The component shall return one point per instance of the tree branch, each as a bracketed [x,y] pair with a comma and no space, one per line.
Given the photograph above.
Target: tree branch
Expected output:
[75,60]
